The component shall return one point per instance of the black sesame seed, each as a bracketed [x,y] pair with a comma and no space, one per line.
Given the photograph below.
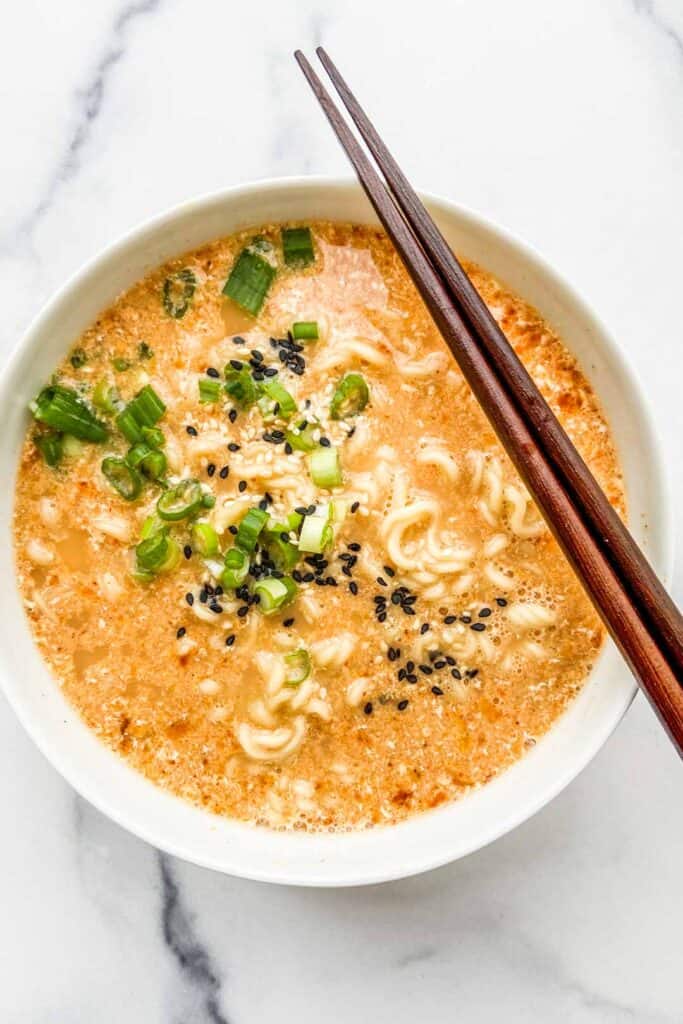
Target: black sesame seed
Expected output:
[211,469]
[181,632]
[439,664]
[233,530]
[351,432]
[229,640]
[382,617]
[426,670]
[367,708]
[437,691]
[233,447]
[270,371]
[478,627]
[484,613]
[263,504]
[288,622]
[407,610]
[402,705]
[211,371]
[424,628]
[300,510]
[411,677]
[353,546]
[237,340]
[389,571]
[242,486]
[501,602]
[401,675]
[224,472]
[353,587]
[190,599]
[192,431]
[382,582]
[187,551]
[307,577]
[242,610]
[466,619]
[450,660]
[395,598]
[256,355]
[355,506]
[232,415]
[410,665]
[325,442]
[216,608]
[203,596]
[288,448]
[393,653]
[310,510]
[472,672]
[236,364]
[450,619]
[456,673]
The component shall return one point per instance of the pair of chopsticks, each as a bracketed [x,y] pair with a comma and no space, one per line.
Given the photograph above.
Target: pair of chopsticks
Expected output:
[642,619]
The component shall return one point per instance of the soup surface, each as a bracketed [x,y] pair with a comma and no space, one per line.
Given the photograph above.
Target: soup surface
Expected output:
[392,626]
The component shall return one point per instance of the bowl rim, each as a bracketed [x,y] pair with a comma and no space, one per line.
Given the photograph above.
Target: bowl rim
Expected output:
[663,524]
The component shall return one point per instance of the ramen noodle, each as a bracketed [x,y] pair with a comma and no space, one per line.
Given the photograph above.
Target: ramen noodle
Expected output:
[272,551]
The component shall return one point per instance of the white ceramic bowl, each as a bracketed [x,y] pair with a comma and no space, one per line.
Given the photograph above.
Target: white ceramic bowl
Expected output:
[379,854]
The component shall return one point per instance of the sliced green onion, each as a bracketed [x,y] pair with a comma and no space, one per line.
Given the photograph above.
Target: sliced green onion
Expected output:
[151,525]
[297,246]
[158,553]
[78,358]
[181,501]
[236,569]
[305,330]
[154,465]
[276,402]
[144,351]
[137,454]
[283,554]
[250,278]
[275,593]
[260,243]
[62,409]
[125,480]
[294,521]
[120,364]
[300,437]
[205,539]
[144,410]
[298,667]
[50,446]
[249,529]
[153,437]
[147,407]
[241,386]
[325,467]
[350,397]
[105,397]
[209,390]
[177,292]
[208,500]
[316,534]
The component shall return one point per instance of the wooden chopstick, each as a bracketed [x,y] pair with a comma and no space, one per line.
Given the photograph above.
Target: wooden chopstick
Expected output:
[634,570]
[635,637]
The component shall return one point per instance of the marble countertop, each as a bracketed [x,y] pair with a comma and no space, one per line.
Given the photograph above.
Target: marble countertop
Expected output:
[563,122]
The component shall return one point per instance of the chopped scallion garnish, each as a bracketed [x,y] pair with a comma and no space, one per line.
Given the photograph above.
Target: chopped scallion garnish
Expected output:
[51,447]
[105,397]
[120,364]
[205,540]
[250,278]
[181,501]
[241,386]
[276,402]
[297,246]
[154,437]
[144,410]
[300,436]
[325,467]
[298,667]
[124,478]
[350,397]
[249,529]
[274,593]
[209,390]
[62,409]
[316,533]
[158,553]
[305,330]
[177,292]
[236,568]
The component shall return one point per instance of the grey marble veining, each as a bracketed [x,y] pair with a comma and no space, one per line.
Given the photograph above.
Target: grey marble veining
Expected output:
[562,121]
